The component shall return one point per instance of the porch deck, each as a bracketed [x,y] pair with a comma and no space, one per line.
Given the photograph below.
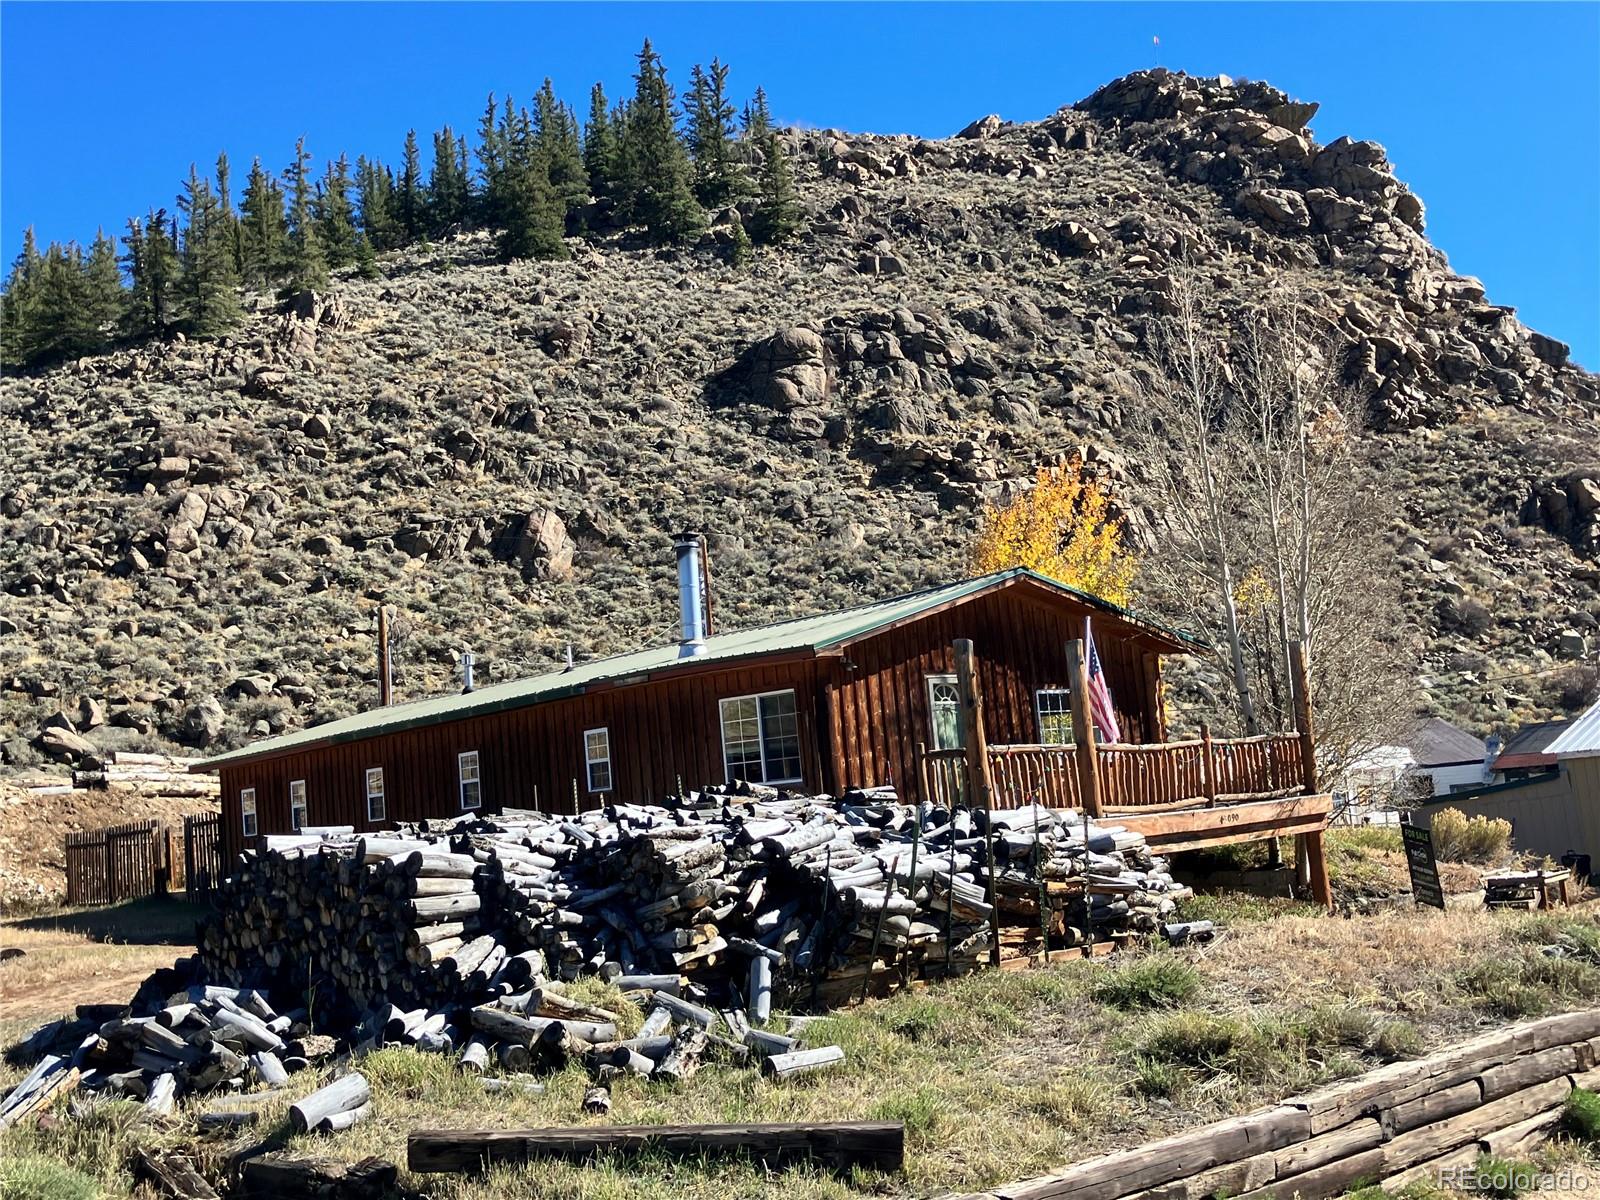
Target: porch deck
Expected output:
[1181,795]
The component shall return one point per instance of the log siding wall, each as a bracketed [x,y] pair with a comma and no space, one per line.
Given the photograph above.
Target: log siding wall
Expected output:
[861,714]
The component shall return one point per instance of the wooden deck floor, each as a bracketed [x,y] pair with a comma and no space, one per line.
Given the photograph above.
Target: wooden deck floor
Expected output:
[1170,830]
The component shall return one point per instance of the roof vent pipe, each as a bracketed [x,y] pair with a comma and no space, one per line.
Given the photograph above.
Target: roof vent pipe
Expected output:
[691,596]
[466,671]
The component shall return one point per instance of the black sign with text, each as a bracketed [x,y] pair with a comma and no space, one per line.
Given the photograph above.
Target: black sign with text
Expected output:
[1425,885]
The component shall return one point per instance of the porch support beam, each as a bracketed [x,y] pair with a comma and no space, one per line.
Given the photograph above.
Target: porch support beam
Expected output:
[1083,728]
[1311,858]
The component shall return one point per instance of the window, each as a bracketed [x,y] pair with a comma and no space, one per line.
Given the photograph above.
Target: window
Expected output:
[597,758]
[297,804]
[247,812]
[944,712]
[377,810]
[467,775]
[761,738]
[1055,716]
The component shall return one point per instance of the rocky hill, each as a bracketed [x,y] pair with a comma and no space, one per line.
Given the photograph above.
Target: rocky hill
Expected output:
[195,536]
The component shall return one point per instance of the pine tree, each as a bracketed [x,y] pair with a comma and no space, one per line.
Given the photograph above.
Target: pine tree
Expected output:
[410,203]
[376,203]
[263,233]
[308,268]
[152,263]
[492,154]
[60,327]
[717,180]
[757,119]
[208,287]
[447,197]
[366,258]
[556,143]
[655,174]
[334,216]
[233,229]
[600,146]
[104,294]
[778,213]
[533,217]
[18,306]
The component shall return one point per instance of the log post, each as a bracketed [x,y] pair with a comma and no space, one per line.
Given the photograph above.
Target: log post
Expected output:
[1083,727]
[980,789]
[385,684]
[1311,860]
[1208,764]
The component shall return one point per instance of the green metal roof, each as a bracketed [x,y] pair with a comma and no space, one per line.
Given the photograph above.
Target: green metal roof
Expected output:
[825,631]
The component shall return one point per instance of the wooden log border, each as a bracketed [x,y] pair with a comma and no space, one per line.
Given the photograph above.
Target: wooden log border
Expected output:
[1397,1124]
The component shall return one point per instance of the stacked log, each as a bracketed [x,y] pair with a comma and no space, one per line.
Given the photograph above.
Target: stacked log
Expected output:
[838,897]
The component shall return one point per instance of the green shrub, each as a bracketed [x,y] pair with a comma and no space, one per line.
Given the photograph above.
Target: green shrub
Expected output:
[1581,1117]
[1459,838]
[1397,1039]
[1154,981]
[34,1177]
[1504,1178]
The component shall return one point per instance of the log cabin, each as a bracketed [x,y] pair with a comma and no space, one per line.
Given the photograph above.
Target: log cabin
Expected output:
[867,696]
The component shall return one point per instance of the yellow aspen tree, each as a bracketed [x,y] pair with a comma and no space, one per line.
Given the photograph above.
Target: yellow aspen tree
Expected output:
[1062,527]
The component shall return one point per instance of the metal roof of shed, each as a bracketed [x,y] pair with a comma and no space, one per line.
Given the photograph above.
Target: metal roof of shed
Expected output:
[819,633]
[1581,739]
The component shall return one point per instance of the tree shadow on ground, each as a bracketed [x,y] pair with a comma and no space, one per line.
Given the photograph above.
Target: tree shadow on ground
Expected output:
[156,921]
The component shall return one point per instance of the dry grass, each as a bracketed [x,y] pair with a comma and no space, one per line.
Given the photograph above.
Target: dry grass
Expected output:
[997,1076]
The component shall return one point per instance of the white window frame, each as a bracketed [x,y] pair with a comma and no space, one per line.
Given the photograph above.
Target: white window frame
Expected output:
[936,681]
[469,770]
[379,795]
[1039,713]
[247,812]
[761,734]
[590,762]
[299,810]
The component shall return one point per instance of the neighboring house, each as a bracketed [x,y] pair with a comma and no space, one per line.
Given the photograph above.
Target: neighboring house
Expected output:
[1527,752]
[822,702]
[1554,812]
[1434,759]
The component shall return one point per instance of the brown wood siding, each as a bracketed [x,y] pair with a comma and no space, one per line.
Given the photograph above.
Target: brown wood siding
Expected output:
[862,712]
[1020,643]
[661,731]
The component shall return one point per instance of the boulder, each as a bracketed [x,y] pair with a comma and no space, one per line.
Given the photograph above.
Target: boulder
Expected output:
[791,369]
[1278,207]
[318,426]
[1571,644]
[1071,239]
[983,127]
[91,714]
[203,722]
[544,549]
[64,745]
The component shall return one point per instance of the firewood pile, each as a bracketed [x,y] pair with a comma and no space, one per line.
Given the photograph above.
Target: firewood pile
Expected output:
[745,896]
[175,1039]
[704,913]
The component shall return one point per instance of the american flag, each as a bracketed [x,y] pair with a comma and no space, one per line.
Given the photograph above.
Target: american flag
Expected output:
[1105,716]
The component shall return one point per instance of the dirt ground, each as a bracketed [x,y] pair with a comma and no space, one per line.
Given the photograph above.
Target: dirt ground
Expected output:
[33,831]
[86,956]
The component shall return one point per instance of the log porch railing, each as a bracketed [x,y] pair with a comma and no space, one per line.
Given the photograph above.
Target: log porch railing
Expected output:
[1133,778]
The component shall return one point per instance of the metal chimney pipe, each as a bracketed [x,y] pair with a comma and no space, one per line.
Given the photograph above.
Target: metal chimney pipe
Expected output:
[691,596]
[466,671]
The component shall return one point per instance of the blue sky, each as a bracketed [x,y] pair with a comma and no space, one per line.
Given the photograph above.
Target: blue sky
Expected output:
[1488,110]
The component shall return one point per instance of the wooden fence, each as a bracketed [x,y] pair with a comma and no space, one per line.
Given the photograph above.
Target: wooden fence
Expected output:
[120,862]
[202,855]
[1132,777]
